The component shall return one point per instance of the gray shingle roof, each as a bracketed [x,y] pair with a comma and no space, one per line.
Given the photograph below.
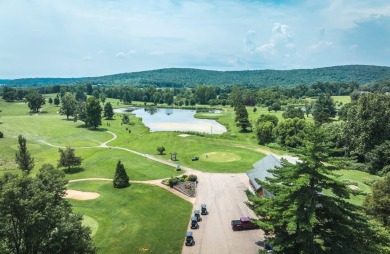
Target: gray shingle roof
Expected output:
[260,169]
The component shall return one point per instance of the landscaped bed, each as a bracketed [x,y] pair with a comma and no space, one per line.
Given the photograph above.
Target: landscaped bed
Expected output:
[184,184]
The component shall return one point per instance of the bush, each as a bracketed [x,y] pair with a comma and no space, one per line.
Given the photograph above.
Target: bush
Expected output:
[192,178]
[173,181]
[1,135]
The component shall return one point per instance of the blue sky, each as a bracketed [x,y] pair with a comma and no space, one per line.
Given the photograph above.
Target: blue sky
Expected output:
[76,38]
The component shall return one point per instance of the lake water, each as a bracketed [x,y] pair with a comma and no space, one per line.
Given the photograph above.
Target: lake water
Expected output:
[167,119]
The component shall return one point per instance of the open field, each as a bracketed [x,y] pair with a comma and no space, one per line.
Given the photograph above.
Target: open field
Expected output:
[101,162]
[140,218]
[137,219]
[358,177]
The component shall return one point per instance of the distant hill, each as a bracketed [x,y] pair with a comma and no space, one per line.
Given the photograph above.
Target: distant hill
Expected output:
[176,77]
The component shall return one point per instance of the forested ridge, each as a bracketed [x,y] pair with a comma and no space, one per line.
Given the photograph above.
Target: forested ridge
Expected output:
[177,77]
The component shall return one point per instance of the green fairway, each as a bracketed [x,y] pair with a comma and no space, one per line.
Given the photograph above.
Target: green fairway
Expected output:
[101,162]
[193,145]
[358,177]
[137,219]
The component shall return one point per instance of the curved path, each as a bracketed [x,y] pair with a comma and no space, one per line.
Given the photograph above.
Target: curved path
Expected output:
[224,194]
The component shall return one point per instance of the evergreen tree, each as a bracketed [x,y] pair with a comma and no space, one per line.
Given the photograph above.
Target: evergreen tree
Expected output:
[93,113]
[56,101]
[50,101]
[68,158]
[241,118]
[121,180]
[23,158]
[303,219]
[108,112]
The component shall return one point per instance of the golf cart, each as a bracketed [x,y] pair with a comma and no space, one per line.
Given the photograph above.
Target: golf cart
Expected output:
[195,158]
[203,210]
[189,239]
[194,223]
[197,215]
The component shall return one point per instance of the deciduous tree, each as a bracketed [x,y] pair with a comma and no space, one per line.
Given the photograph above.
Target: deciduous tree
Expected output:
[68,158]
[293,112]
[378,202]
[68,105]
[34,100]
[324,109]
[367,124]
[93,113]
[35,218]
[291,132]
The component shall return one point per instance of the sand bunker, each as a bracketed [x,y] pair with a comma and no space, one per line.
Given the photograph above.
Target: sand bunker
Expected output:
[81,195]
[353,187]
[184,135]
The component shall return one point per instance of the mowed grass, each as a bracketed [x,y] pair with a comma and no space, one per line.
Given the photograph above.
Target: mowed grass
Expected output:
[358,177]
[101,162]
[138,219]
[191,146]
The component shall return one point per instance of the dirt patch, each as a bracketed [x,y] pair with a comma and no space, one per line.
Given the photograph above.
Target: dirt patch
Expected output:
[184,135]
[353,187]
[220,157]
[81,195]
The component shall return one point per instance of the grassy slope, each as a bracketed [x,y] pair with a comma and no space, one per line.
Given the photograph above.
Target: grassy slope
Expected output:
[127,223]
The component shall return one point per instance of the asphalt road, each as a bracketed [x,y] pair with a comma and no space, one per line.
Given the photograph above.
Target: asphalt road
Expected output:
[224,195]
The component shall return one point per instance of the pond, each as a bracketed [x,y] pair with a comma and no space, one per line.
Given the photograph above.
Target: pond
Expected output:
[168,119]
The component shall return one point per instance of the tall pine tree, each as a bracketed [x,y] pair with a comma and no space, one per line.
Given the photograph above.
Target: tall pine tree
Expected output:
[309,213]
[23,158]
[121,180]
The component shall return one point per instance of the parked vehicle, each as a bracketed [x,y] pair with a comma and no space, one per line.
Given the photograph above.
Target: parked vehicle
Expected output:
[197,215]
[196,158]
[194,223]
[243,223]
[189,239]
[203,210]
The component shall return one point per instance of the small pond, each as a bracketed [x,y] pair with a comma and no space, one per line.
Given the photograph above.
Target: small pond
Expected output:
[168,119]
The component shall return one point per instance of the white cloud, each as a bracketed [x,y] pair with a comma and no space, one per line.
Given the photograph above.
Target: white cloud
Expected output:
[249,41]
[120,55]
[281,37]
[223,35]
[88,58]
[156,53]
[322,45]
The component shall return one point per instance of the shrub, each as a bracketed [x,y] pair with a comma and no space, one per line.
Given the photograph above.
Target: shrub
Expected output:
[1,135]
[192,178]
[161,150]
[173,181]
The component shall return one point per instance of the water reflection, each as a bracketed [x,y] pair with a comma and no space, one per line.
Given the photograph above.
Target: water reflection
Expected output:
[168,119]
[151,110]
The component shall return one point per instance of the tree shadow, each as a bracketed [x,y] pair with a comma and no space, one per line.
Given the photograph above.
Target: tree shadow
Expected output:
[75,170]
[245,131]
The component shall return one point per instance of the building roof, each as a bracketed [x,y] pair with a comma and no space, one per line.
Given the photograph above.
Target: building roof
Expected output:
[260,169]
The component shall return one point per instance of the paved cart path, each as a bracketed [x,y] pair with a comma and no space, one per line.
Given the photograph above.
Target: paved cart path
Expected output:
[224,194]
